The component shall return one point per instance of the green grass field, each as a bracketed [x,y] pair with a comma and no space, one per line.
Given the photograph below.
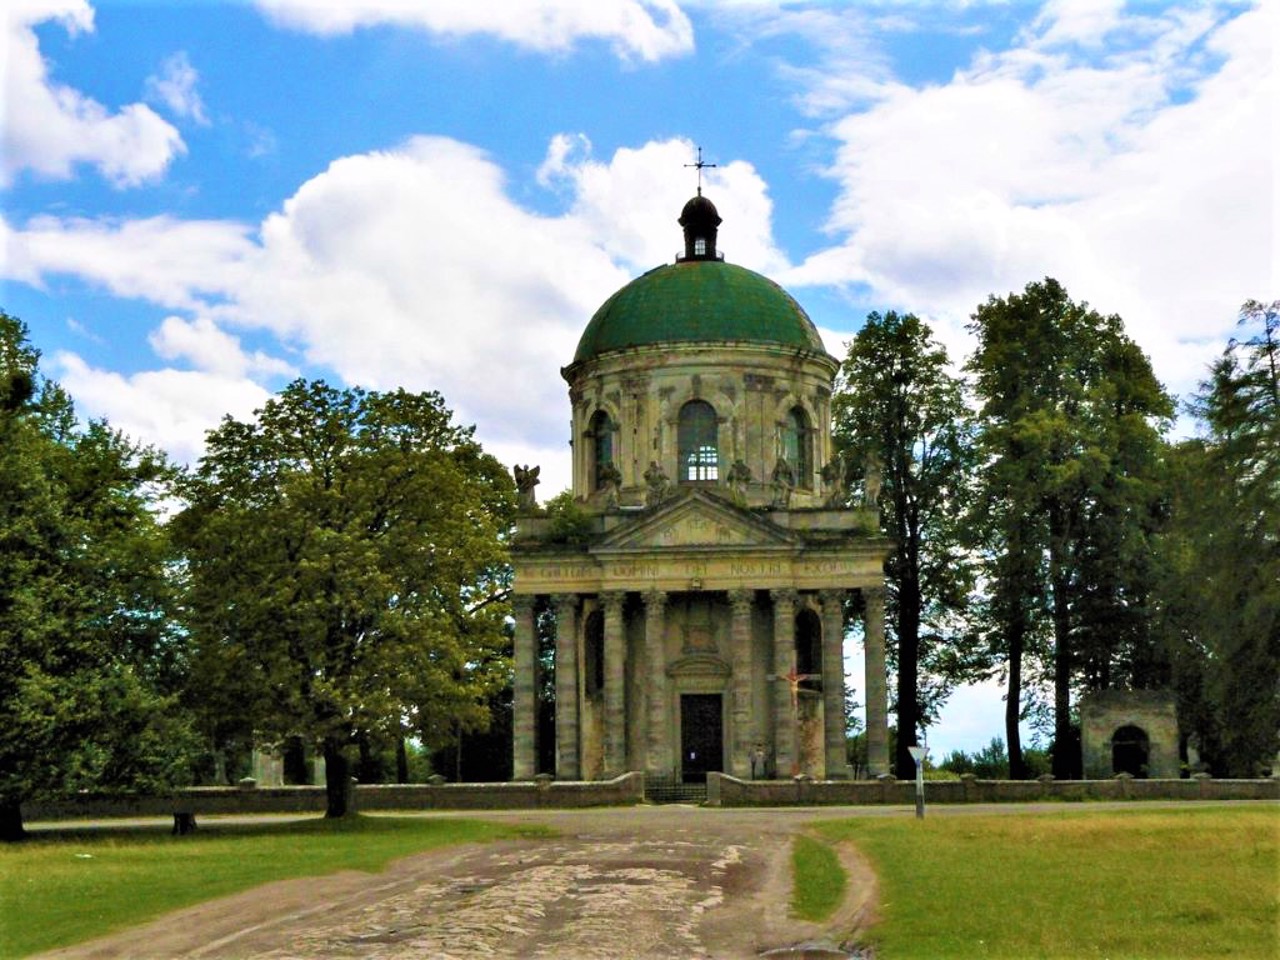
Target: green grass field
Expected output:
[820,880]
[1184,883]
[65,887]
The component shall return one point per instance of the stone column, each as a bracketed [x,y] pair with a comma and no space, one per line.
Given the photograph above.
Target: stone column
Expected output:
[876,684]
[784,667]
[615,678]
[833,683]
[657,741]
[744,734]
[524,718]
[567,756]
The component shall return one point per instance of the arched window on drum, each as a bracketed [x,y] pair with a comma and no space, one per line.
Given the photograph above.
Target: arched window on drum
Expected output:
[600,437]
[797,445]
[697,440]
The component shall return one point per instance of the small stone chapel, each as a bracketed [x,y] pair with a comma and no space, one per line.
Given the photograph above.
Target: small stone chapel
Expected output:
[699,609]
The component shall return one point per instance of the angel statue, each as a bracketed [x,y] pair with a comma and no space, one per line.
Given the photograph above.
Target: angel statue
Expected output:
[526,480]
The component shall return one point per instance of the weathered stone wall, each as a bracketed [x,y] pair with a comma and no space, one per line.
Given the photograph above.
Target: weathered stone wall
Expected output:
[726,791]
[1102,714]
[722,791]
[532,795]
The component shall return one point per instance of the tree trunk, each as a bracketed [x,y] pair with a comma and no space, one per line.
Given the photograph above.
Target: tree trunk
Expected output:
[402,761]
[1063,665]
[11,828]
[337,779]
[908,676]
[1013,704]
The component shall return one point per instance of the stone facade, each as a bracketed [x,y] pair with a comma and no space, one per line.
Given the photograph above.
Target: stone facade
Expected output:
[699,625]
[1130,731]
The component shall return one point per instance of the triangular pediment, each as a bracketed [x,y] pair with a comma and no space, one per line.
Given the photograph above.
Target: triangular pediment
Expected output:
[696,519]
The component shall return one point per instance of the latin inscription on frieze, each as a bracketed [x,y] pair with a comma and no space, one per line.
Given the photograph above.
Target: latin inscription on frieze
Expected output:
[634,570]
[758,568]
[827,567]
[579,571]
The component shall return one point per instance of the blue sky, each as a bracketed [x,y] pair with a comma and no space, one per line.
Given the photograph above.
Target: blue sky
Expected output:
[204,200]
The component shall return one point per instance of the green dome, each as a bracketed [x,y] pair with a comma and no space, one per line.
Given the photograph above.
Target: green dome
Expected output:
[698,300]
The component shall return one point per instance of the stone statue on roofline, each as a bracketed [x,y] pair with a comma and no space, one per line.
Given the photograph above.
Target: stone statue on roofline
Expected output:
[783,482]
[872,481]
[738,478]
[657,485]
[610,483]
[833,480]
[526,480]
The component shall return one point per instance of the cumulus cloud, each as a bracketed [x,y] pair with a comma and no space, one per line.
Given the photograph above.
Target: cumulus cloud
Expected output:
[170,409]
[631,201]
[179,264]
[175,87]
[49,128]
[209,348]
[1138,174]
[644,29]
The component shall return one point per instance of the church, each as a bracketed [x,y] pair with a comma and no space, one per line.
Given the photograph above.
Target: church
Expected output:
[699,601]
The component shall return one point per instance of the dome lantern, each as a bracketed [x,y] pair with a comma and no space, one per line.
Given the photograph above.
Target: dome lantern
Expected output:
[699,218]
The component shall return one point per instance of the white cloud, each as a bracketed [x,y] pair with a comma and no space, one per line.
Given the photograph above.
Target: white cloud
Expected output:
[171,409]
[179,264]
[175,87]
[49,128]
[632,202]
[647,29]
[1086,22]
[211,349]
[1140,176]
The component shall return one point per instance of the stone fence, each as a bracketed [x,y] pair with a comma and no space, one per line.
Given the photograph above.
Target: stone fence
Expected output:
[628,789]
[249,798]
[726,791]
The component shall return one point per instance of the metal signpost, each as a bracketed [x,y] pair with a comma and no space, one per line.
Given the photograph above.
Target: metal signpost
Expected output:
[917,754]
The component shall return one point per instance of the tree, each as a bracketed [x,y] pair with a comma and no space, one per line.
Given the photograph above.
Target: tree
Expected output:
[1069,429]
[1219,597]
[897,405]
[90,662]
[347,571]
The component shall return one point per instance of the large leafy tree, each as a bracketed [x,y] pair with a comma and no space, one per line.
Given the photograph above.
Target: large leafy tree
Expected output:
[345,552]
[897,405]
[90,663]
[1219,597]
[1070,423]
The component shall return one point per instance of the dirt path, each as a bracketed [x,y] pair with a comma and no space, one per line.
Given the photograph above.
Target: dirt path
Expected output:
[653,882]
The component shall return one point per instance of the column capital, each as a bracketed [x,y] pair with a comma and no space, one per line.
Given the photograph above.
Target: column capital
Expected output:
[612,601]
[563,601]
[522,603]
[874,594]
[654,600]
[741,598]
[785,595]
[829,595]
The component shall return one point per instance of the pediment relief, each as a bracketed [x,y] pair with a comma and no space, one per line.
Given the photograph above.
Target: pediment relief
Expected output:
[697,522]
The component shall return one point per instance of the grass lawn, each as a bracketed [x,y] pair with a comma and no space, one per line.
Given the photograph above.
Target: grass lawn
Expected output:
[64,887]
[1183,883]
[820,880]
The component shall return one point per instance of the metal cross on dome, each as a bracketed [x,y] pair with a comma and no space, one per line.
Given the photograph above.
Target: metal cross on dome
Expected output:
[699,165]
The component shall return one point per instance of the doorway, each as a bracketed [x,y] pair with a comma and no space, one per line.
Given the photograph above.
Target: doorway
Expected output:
[701,736]
[1130,750]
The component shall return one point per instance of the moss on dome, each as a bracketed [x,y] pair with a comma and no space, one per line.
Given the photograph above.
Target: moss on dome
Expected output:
[698,300]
